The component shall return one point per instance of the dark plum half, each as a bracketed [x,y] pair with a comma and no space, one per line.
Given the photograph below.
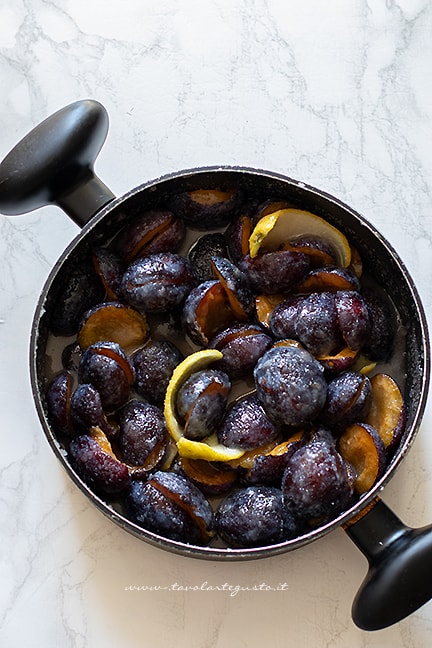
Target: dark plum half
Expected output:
[154,365]
[290,384]
[246,425]
[242,345]
[157,283]
[254,516]
[201,402]
[172,506]
[316,484]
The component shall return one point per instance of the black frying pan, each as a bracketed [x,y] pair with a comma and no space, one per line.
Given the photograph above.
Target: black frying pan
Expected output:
[54,165]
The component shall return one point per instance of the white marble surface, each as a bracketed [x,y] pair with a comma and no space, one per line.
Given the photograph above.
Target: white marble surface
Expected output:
[336,93]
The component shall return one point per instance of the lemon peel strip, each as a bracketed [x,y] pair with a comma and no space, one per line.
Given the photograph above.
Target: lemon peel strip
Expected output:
[209,448]
[287,224]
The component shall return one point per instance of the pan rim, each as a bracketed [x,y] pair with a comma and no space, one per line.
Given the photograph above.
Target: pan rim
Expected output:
[215,553]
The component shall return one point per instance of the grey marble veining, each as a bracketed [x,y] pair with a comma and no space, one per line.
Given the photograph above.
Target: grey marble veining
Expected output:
[337,94]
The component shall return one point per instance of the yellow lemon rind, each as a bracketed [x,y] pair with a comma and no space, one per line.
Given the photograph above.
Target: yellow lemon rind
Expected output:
[288,224]
[208,449]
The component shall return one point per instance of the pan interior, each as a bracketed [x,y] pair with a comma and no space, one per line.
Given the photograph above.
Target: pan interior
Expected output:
[410,363]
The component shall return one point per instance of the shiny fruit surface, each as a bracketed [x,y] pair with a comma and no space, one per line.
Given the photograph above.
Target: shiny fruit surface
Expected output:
[225,344]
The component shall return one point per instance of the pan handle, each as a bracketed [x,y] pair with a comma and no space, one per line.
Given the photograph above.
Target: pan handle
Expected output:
[53,164]
[399,580]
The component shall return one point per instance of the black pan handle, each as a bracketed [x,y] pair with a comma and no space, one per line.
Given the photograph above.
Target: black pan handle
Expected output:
[53,164]
[399,580]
